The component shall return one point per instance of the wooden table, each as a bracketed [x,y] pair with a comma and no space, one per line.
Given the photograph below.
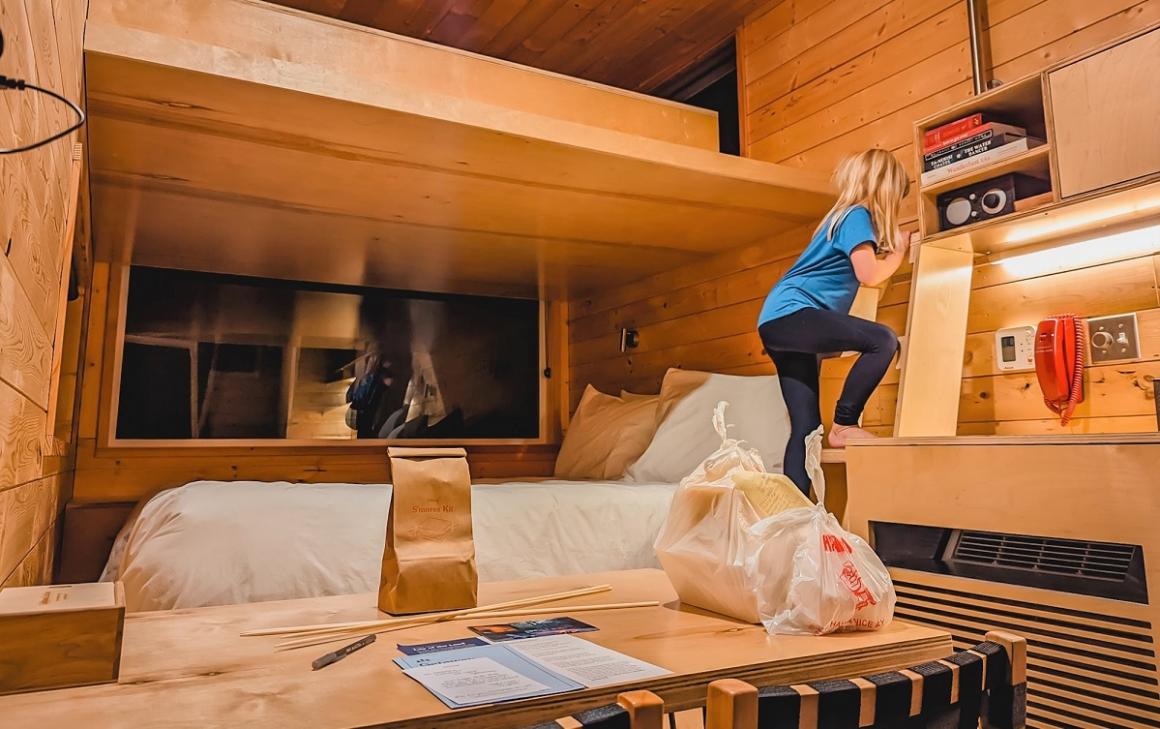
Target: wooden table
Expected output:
[190,667]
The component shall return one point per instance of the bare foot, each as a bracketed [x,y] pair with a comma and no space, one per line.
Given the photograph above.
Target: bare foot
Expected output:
[840,435]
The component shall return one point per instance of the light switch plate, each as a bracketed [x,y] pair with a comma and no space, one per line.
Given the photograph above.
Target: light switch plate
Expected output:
[1114,338]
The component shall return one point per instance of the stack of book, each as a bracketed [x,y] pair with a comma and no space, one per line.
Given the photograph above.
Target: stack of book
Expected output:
[969,143]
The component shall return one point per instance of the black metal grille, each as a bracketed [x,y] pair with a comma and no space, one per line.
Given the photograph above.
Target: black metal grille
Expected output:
[1086,670]
[1093,560]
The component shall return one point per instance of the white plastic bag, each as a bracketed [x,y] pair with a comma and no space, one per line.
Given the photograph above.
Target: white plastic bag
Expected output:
[794,572]
[704,544]
[814,577]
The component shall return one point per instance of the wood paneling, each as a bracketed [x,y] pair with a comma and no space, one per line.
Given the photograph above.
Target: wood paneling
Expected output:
[23,431]
[827,78]
[370,159]
[633,45]
[25,348]
[129,474]
[36,217]
[30,511]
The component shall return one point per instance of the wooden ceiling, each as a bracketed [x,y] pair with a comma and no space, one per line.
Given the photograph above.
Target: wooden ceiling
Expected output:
[631,44]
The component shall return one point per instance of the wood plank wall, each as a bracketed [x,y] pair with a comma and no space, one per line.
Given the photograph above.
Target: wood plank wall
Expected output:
[36,210]
[825,78]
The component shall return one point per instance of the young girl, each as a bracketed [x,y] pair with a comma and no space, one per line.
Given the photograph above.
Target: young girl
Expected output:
[806,313]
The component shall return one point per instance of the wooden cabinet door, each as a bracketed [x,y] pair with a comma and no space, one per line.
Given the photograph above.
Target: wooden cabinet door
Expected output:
[1106,109]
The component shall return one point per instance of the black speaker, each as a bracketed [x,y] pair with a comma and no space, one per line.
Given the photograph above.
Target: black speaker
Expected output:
[988,199]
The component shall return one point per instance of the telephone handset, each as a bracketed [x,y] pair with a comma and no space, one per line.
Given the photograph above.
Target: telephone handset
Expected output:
[1060,346]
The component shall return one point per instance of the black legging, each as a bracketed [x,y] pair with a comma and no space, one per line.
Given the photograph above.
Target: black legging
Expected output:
[794,342]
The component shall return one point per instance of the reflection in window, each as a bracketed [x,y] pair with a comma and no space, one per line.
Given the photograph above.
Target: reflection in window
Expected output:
[210,356]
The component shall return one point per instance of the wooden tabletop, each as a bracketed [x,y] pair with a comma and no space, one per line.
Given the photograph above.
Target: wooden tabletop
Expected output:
[191,668]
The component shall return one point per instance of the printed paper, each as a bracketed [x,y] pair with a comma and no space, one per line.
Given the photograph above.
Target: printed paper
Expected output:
[584,662]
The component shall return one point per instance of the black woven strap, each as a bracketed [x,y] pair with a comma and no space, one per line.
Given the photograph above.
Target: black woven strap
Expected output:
[970,688]
[778,707]
[892,698]
[839,704]
[612,716]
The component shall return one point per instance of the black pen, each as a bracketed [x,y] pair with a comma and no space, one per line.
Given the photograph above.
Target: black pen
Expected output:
[343,652]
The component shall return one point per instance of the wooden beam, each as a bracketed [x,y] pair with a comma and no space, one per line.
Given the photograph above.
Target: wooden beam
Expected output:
[428,171]
[932,360]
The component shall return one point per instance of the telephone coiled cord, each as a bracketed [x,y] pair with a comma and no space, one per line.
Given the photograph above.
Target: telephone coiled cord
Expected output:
[1076,393]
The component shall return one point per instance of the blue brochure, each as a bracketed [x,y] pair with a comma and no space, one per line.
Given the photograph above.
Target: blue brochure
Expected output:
[414,649]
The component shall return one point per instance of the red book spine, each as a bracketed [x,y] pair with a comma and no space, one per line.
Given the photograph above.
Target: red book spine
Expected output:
[953,140]
[939,136]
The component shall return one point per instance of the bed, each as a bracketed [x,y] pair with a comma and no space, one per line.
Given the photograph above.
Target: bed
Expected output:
[224,542]
[217,542]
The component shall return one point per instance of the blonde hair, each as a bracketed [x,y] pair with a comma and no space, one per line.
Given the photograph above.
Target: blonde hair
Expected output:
[876,180]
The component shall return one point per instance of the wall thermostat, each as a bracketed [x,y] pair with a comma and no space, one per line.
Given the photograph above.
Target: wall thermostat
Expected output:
[1015,348]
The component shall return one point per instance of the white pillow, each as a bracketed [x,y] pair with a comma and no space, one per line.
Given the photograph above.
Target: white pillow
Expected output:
[685,434]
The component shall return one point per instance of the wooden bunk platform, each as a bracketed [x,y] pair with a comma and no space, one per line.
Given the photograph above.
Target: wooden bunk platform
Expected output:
[239,137]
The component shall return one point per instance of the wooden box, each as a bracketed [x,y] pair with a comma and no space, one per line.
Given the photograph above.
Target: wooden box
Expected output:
[60,635]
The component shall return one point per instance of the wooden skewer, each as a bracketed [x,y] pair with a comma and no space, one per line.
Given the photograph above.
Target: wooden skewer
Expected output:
[570,608]
[428,618]
[313,640]
[302,640]
[508,614]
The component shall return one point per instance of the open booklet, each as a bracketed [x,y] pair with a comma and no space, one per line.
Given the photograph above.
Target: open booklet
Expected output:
[524,669]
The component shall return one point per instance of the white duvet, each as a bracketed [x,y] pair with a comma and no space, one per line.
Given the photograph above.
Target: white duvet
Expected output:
[219,543]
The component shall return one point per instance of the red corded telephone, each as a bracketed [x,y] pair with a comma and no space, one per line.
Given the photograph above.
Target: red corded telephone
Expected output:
[1060,346]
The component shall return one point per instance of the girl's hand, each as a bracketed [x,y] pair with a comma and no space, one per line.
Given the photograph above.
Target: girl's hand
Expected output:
[905,241]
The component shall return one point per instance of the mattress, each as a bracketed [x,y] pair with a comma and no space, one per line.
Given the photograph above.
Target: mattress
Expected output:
[226,542]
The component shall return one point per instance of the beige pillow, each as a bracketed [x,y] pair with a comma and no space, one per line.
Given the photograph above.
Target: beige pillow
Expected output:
[685,435]
[629,396]
[606,436]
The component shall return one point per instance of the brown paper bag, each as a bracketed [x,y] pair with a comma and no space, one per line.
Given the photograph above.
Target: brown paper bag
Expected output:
[429,557]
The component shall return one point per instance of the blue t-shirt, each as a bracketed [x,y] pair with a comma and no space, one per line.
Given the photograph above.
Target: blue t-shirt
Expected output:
[823,277]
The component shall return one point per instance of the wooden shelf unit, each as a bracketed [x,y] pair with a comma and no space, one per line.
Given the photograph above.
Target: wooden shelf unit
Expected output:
[1021,103]
[936,329]
[1033,162]
[1058,222]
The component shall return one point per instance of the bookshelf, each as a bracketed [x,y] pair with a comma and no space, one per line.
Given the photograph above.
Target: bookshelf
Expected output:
[1020,103]
[1033,162]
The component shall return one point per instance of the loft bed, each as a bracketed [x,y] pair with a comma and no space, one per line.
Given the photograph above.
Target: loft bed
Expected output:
[241,138]
[238,137]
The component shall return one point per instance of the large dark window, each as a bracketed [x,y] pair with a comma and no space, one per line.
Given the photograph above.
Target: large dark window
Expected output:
[209,356]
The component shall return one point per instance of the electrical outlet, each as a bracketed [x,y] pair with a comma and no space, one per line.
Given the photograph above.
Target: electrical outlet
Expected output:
[1114,338]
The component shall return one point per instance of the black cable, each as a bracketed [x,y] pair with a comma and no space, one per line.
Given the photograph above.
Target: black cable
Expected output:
[21,85]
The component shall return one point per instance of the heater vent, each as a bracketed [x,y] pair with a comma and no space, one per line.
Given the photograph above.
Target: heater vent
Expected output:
[1080,567]
[1085,669]
[1096,560]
